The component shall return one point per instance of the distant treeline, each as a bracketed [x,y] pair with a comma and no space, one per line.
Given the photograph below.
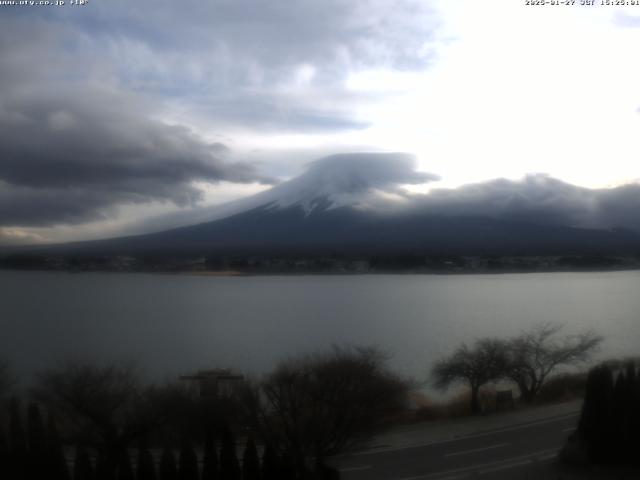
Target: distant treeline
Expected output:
[335,263]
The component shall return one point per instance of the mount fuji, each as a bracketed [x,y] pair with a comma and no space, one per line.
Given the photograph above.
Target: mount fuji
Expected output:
[357,204]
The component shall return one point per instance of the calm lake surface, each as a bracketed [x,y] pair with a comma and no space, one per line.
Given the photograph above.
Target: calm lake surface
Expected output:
[171,324]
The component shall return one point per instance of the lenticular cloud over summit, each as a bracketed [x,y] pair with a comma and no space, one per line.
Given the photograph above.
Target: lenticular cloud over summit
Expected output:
[356,172]
[348,179]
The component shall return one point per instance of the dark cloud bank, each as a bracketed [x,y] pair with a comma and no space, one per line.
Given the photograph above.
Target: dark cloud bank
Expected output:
[73,153]
[69,160]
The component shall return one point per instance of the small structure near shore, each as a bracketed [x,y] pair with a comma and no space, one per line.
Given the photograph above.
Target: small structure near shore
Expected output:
[212,383]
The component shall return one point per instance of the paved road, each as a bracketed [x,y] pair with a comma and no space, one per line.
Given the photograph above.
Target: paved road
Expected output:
[498,453]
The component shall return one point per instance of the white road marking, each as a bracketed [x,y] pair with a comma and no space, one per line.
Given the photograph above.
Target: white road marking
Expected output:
[454,477]
[465,452]
[500,464]
[570,429]
[528,461]
[355,469]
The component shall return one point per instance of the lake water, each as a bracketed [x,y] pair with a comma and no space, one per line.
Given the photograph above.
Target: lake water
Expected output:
[171,324]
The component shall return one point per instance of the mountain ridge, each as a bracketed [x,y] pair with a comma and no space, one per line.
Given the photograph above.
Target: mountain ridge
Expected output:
[345,230]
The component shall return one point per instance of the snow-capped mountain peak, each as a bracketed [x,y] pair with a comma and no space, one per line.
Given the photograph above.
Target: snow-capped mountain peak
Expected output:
[345,179]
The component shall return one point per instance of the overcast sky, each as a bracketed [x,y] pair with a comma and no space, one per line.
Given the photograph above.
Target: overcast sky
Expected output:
[118,111]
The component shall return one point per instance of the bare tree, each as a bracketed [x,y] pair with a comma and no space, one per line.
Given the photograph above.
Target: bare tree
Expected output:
[537,353]
[102,404]
[476,366]
[6,379]
[324,404]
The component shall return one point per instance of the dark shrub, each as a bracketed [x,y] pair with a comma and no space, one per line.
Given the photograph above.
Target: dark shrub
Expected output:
[250,461]
[57,463]
[168,468]
[609,416]
[146,468]
[188,463]
[563,387]
[82,468]
[229,467]
[270,464]
[210,462]
[125,471]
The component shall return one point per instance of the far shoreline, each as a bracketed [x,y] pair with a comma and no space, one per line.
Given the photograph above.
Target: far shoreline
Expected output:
[241,273]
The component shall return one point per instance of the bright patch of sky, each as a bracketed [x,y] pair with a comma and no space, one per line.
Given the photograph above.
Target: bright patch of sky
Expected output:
[514,89]
[523,89]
